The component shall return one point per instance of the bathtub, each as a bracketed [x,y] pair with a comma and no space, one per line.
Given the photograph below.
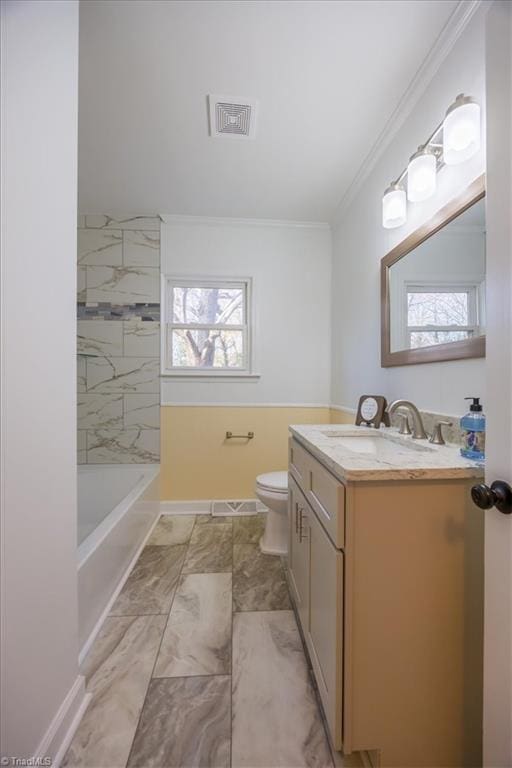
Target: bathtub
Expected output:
[118,505]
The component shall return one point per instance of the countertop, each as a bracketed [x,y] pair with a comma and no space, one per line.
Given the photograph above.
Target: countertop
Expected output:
[403,458]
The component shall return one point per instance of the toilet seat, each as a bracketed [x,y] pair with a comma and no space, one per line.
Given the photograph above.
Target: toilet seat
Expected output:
[276,482]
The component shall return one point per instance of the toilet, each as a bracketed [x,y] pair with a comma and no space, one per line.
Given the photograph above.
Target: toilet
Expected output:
[272,490]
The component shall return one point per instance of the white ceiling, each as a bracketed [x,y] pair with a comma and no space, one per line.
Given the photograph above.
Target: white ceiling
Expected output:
[327,76]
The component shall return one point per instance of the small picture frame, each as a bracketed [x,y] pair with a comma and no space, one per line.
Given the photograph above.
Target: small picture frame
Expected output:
[372,411]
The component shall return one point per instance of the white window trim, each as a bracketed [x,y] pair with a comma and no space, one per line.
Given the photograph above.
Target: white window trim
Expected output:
[473,288]
[212,374]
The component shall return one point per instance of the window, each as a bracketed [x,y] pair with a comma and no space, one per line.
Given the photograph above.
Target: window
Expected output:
[206,327]
[438,314]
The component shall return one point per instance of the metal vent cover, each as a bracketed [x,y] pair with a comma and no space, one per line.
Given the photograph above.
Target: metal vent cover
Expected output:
[233,118]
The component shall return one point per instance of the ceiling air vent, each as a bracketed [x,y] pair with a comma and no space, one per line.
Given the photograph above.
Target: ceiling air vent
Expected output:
[234,118]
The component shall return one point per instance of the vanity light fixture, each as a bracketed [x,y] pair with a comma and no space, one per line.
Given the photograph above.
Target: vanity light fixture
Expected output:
[461,130]
[454,141]
[394,206]
[421,175]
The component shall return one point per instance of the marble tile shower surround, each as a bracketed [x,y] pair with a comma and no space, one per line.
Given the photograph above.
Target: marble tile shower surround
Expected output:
[183,676]
[118,339]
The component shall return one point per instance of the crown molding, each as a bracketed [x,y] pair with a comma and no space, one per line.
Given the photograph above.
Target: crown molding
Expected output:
[447,38]
[219,221]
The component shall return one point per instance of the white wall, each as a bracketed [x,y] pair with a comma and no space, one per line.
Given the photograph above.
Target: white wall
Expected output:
[360,242]
[290,267]
[39,654]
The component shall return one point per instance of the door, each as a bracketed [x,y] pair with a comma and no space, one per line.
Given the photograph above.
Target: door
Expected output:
[298,553]
[497,725]
[325,635]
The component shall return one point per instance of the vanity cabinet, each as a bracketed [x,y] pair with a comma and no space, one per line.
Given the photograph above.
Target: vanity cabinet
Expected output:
[387,580]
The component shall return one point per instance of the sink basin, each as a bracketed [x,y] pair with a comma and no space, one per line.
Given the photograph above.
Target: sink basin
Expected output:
[377,445]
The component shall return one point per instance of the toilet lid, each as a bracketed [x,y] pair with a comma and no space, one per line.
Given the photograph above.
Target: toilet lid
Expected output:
[274,481]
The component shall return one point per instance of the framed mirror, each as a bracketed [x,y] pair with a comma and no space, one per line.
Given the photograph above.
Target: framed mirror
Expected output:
[433,287]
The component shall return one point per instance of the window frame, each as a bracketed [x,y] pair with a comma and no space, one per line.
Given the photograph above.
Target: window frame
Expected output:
[470,287]
[171,281]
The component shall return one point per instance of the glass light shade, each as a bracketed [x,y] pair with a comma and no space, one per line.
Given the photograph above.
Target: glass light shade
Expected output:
[421,176]
[461,131]
[394,207]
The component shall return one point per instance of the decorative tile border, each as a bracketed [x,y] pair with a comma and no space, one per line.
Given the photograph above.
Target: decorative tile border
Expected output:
[106,311]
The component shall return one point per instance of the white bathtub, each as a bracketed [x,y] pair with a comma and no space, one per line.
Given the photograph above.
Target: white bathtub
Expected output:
[117,507]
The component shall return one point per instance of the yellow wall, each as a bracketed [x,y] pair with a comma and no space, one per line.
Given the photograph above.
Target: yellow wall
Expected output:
[198,463]
[341,417]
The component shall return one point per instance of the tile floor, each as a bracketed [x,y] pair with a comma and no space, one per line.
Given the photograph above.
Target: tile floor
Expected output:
[200,662]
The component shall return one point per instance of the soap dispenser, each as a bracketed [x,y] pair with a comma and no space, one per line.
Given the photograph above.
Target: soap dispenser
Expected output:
[473,431]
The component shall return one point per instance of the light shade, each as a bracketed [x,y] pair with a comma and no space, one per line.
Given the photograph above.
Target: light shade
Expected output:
[461,130]
[394,207]
[421,176]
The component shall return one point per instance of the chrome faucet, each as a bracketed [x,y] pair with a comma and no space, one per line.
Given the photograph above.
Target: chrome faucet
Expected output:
[418,430]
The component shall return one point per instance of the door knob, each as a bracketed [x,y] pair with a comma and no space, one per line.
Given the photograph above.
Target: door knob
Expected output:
[499,495]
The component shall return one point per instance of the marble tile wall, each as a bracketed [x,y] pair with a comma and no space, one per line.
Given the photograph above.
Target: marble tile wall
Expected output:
[118,339]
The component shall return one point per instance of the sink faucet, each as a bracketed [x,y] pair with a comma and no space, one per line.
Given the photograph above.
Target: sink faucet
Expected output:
[418,430]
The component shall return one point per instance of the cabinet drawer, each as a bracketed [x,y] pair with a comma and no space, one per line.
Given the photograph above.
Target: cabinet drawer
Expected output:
[299,462]
[325,493]
[327,497]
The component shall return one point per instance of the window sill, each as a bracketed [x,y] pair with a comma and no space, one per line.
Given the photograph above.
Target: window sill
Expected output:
[210,376]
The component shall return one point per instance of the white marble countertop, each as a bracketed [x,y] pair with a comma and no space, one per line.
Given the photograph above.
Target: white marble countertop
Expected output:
[382,454]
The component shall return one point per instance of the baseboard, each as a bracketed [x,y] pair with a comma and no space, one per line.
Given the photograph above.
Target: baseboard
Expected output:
[59,735]
[199,507]
[86,647]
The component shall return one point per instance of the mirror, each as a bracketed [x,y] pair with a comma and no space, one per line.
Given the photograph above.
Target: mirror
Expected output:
[433,287]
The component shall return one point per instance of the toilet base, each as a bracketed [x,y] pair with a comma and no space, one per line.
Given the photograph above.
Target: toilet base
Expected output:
[275,538]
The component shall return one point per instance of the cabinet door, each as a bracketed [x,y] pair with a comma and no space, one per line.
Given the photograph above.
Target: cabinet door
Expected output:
[298,553]
[325,636]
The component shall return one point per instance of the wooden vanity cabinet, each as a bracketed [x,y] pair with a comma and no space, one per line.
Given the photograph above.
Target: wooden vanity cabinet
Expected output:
[387,579]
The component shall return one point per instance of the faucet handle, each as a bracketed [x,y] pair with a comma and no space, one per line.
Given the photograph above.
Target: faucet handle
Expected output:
[404,428]
[437,435]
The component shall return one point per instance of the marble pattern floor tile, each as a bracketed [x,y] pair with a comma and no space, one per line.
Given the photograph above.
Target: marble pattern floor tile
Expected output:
[276,721]
[197,638]
[172,529]
[259,582]
[185,723]
[248,530]
[210,549]
[151,585]
[118,670]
